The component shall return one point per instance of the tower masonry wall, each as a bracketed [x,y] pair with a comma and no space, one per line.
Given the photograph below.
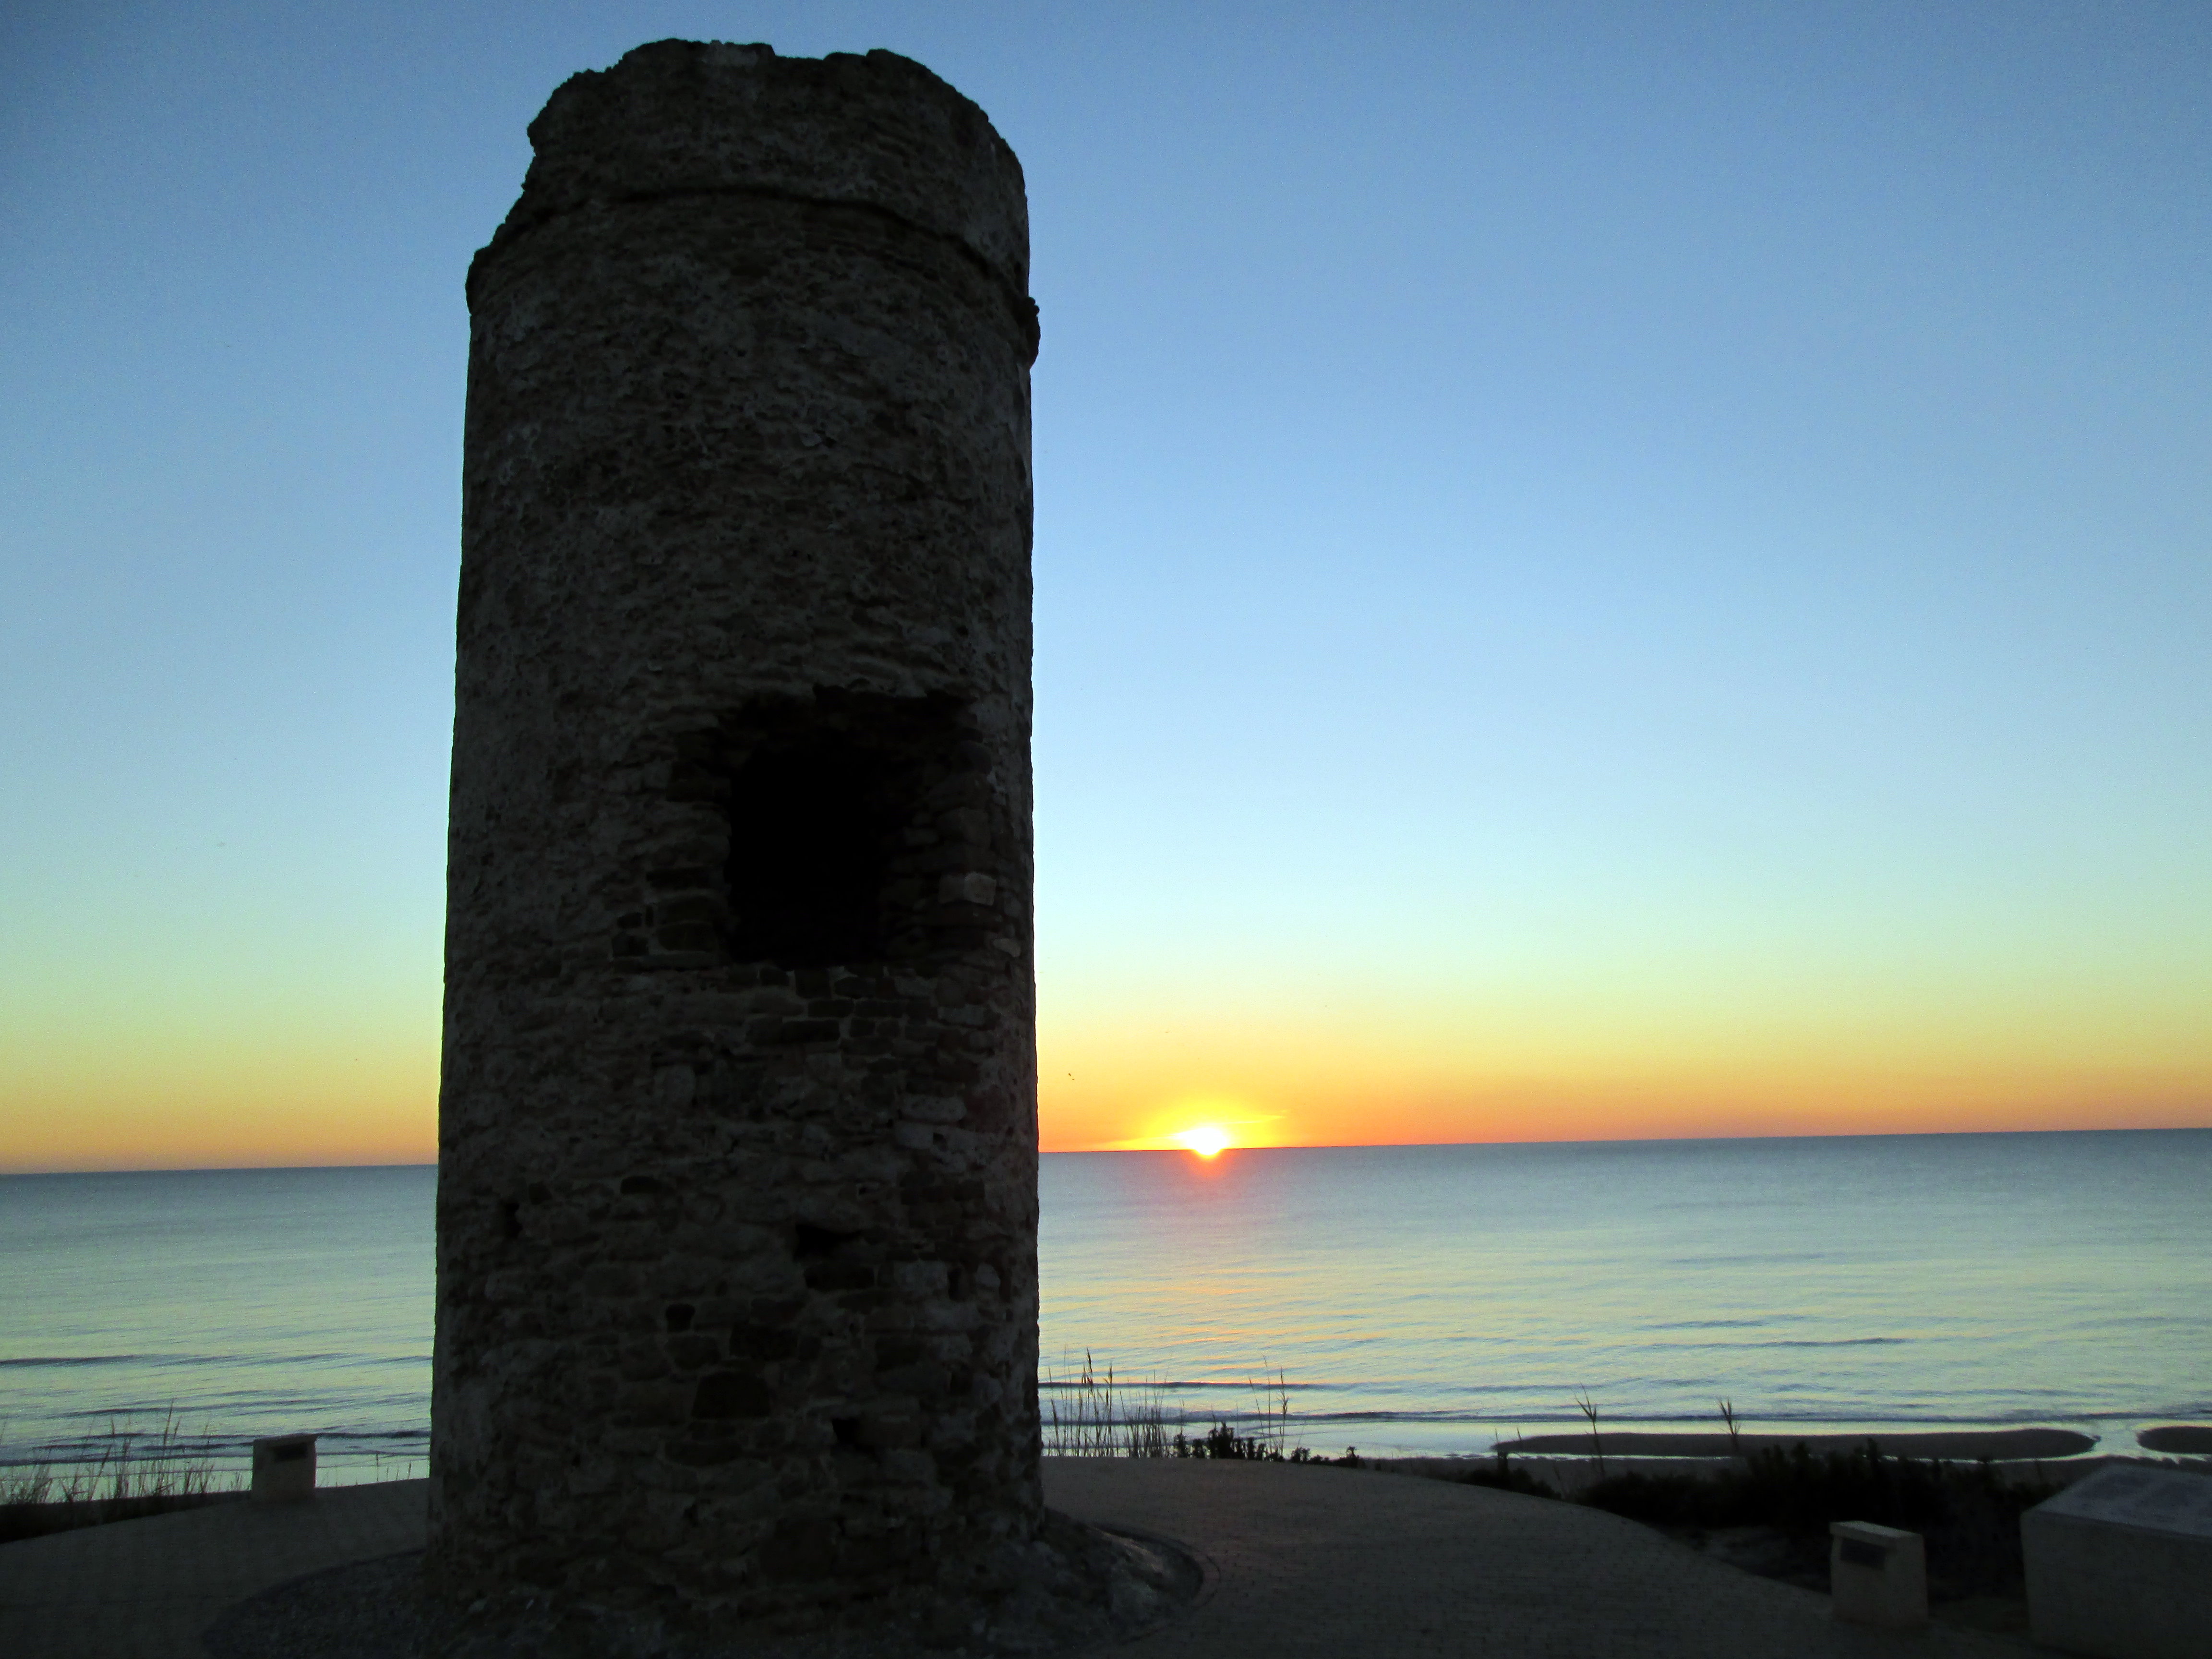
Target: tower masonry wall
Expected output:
[736,1255]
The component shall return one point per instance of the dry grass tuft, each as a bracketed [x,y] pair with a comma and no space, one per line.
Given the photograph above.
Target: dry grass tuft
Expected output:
[136,1472]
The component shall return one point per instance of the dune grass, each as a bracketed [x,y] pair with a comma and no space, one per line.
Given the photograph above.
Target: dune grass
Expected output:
[136,1472]
[1968,1514]
[1093,1412]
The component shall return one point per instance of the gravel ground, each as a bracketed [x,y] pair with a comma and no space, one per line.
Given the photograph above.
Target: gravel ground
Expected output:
[377,1610]
[368,1610]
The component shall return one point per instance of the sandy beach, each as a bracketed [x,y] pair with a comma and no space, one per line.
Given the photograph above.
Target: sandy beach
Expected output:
[2003,1446]
[2061,1456]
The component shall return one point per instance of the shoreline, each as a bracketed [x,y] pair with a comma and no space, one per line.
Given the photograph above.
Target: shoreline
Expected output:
[1972,1445]
[1570,1477]
[2049,1441]
[2037,1443]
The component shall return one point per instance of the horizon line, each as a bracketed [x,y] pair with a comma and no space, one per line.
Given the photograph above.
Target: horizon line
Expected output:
[1120,1150]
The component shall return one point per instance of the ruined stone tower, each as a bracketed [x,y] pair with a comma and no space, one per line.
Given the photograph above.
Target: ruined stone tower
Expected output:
[737,1229]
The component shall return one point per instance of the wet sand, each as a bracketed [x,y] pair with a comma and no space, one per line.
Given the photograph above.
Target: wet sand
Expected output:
[2007,1445]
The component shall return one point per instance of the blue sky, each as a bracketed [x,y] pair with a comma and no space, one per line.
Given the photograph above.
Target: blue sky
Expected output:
[1585,554]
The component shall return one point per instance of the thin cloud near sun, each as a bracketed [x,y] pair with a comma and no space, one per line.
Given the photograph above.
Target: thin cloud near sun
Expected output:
[1207,1139]
[1206,1126]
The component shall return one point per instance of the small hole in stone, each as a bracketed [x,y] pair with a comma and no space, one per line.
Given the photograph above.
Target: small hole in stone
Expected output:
[636,1184]
[846,1429]
[680,1316]
[815,1241]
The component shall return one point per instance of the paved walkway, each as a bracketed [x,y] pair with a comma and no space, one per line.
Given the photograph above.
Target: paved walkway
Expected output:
[1356,1565]
[1343,1563]
[145,1589]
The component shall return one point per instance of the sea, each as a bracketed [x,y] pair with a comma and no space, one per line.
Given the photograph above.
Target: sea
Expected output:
[1398,1299]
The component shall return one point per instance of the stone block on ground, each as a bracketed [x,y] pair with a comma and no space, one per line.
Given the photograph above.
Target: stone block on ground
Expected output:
[284,1468]
[2119,1567]
[1877,1576]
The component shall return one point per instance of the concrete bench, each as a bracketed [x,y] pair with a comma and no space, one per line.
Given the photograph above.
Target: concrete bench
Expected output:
[2119,1565]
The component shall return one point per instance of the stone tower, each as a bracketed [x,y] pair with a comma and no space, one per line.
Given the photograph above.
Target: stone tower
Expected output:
[736,1212]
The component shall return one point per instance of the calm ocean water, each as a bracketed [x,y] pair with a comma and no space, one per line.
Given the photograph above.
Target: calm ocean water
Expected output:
[1412,1298]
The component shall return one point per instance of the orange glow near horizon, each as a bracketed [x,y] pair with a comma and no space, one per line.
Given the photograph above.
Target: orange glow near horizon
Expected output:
[207,1125]
[110,1086]
[1305,1084]
[180,1106]
[1434,1112]
[185,1105]
[1207,1139]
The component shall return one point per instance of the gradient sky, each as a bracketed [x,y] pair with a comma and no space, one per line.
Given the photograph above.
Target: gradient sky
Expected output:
[1602,570]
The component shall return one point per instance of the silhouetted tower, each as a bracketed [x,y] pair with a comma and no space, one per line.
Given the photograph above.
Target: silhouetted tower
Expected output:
[736,1216]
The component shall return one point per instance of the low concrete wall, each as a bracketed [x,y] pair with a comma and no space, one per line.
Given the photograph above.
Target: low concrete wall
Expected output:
[2120,1565]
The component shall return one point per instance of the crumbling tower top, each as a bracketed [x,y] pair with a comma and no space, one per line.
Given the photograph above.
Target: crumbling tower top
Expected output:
[878,130]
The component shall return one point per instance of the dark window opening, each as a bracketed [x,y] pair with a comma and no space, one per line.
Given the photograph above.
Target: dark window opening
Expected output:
[812,833]
[845,810]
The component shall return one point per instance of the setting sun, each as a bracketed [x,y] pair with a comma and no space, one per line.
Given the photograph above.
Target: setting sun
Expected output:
[1206,1140]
